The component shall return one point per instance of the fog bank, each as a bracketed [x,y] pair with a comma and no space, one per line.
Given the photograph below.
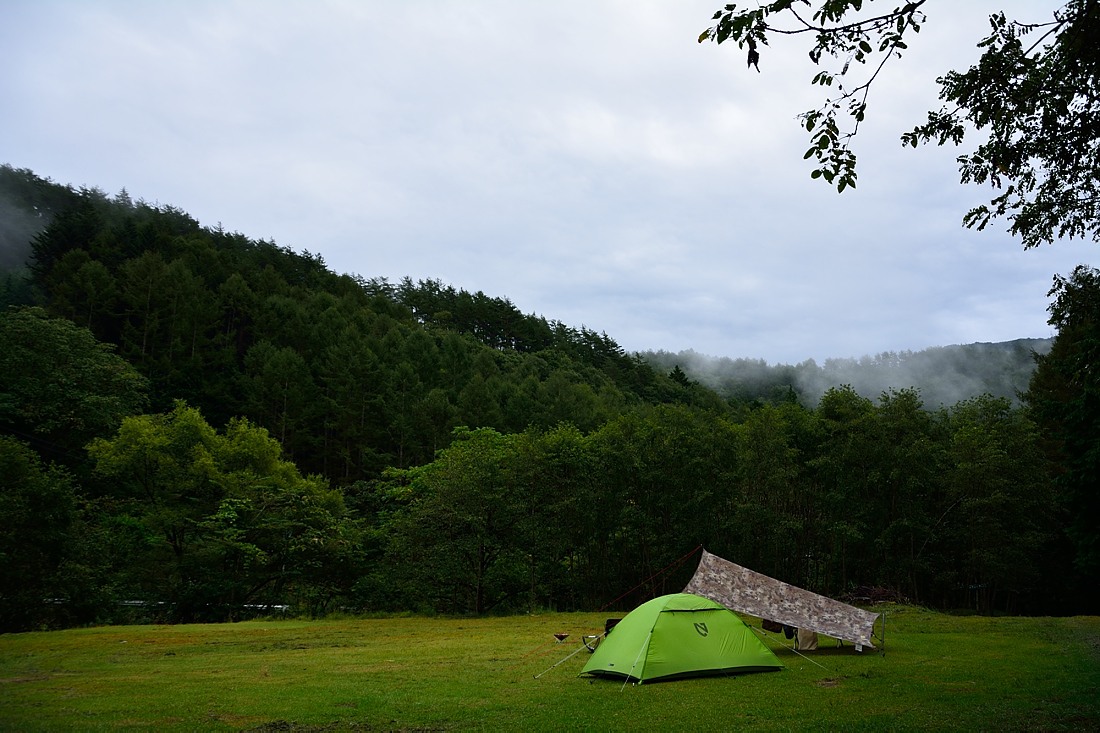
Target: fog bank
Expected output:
[943,374]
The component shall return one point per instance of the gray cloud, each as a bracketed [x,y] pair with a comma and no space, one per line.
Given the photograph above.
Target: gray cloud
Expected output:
[588,160]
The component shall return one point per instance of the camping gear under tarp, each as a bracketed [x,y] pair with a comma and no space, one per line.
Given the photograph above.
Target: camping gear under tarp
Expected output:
[679,635]
[743,590]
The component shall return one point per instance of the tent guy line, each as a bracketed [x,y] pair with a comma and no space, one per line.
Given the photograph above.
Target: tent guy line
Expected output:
[765,637]
[643,648]
[670,567]
[555,664]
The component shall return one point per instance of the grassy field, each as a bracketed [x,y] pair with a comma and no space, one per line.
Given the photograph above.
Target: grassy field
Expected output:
[939,672]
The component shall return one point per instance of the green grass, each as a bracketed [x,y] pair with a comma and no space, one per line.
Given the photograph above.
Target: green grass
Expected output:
[939,672]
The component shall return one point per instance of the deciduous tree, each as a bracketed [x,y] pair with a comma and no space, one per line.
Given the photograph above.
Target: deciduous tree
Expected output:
[59,384]
[1035,92]
[226,521]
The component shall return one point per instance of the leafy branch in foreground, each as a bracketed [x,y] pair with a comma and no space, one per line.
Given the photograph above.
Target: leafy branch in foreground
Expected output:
[1039,102]
[1041,105]
[875,39]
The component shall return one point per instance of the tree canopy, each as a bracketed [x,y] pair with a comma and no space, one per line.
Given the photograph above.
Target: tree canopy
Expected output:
[1035,93]
[58,385]
[221,519]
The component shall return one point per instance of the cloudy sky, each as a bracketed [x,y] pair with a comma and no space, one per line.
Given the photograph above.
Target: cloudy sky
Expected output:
[589,160]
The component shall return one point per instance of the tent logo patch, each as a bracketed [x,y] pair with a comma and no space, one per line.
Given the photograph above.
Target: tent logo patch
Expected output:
[701,629]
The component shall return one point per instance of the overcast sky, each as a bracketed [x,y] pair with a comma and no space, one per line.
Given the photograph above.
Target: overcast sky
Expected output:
[589,160]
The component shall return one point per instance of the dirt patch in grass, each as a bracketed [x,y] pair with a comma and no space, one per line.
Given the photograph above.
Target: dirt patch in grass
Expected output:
[831,681]
[287,726]
[37,677]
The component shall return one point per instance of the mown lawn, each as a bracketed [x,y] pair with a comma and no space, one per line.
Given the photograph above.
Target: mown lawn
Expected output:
[939,672]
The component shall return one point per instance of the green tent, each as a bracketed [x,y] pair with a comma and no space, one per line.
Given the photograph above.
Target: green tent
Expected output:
[680,635]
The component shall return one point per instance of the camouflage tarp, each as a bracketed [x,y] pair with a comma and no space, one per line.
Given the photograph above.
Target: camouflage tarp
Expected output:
[740,589]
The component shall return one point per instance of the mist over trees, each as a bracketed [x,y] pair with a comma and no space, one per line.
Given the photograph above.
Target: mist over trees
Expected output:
[27,204]
[943,374]
[196,425]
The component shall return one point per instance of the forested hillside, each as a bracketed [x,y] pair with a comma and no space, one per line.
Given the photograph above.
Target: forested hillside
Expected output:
[349,375]
[197,425]
[943,374]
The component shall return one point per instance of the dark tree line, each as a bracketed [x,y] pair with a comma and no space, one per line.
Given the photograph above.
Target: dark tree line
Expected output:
[497,323]
[1065,400]
[196,426]
[953,508]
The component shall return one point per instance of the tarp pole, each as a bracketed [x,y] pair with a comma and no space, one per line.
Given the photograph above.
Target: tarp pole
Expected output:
[881,635]
[644,645]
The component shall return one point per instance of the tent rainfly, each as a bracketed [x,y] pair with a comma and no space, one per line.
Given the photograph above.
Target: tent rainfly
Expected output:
[679,635]
[743,590]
